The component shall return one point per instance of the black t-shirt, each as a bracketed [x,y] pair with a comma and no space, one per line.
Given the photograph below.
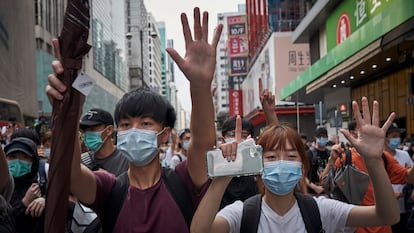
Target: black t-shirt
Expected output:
[240,188]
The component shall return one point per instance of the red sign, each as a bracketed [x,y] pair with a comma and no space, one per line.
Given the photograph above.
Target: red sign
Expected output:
[343,28]
[235,102]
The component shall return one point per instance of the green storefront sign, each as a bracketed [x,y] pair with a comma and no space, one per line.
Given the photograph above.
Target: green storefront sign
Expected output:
[350,16]
[383,19]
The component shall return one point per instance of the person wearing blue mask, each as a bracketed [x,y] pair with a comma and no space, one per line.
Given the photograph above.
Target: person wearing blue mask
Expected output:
[184,137]
[97,126]
[280,207]
[392,143]
[144,118]
[318,158]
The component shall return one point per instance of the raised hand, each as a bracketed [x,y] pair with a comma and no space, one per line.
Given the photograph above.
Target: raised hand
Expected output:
[267,99]
[199,60]
[229,149]
[371,138]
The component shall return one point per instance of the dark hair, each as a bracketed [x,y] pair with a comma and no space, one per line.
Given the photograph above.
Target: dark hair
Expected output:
[143,102]
[26,133]
[182,132]
[352,125]
[230,125]
[275,137]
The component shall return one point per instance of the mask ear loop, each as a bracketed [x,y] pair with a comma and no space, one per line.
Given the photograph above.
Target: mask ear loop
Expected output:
[107,136]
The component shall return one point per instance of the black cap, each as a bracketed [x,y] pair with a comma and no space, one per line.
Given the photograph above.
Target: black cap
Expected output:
[394,128]
[95,117]
[320,131]
[25,145]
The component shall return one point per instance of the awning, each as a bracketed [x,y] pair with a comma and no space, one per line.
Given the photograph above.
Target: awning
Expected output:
[257,116]
[368,36]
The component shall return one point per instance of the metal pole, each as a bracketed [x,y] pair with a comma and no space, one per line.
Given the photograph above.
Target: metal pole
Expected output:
[336,122]
[297,112]
[320,114]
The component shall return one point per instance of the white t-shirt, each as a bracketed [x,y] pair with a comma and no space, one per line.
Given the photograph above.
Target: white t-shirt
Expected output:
[404,160]
[333,217]
[176,160]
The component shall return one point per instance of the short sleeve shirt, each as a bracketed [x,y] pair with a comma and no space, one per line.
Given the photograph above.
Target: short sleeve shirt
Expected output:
[150,210]
[116,163]
[333,217]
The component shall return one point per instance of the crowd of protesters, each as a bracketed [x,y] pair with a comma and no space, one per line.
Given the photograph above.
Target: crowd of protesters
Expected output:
[129,175]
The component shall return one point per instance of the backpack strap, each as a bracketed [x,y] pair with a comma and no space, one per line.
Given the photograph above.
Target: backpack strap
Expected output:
[180,193]
[179,157]
[348,158]
[310,213]
[42,176]
[116,200]
[252,208]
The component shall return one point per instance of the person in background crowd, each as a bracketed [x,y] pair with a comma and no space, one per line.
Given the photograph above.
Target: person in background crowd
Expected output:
[46,144]
[97,126]
[392,142]
[318,158]
[145,119]
[28,201]
[243,187]
[396,173]
[184,137]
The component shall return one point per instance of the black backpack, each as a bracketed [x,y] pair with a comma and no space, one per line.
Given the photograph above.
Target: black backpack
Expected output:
[119,191]
[309,210]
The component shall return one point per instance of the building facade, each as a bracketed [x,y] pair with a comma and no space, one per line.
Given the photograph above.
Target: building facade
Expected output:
[359,48]
[18,55]
[154,56]
[136,24]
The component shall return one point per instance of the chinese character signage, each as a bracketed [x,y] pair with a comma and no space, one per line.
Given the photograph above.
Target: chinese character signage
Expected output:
[349,16]
[238,45]
[236,102]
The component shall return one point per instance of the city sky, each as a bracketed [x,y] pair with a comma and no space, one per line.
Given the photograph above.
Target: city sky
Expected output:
[169,12]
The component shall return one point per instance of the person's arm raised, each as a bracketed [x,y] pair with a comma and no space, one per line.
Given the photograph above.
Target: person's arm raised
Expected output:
[83,183]
[4,171]
[267,99]
[198,66]
[370,144]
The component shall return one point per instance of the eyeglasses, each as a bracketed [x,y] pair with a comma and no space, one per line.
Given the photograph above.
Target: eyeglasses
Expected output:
[232,133]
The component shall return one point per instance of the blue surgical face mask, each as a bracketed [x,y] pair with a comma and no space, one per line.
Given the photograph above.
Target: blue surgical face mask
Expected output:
[140,145]
[322,141]
[227,140]
[394,143]
[46,152]
[19,167]
[281,176]
[185,144]
[93,140]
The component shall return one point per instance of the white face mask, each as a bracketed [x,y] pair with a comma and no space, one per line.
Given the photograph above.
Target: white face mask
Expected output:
[141,146]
